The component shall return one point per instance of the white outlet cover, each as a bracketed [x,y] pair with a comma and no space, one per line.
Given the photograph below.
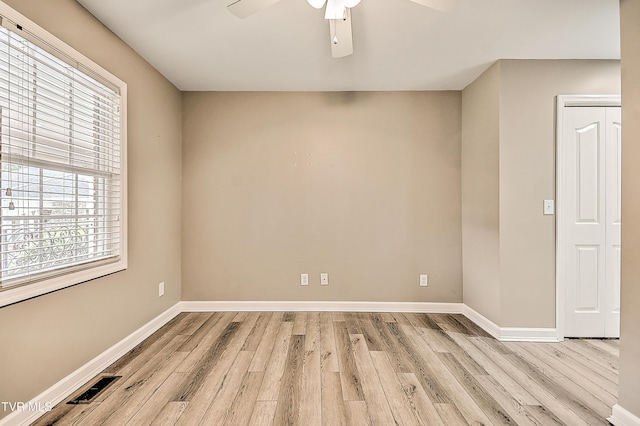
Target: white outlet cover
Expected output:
[424,280]
[324,279]
[304,279]
[161,289]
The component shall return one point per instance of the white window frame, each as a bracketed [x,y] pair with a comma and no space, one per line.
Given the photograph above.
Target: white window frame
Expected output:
[26,291]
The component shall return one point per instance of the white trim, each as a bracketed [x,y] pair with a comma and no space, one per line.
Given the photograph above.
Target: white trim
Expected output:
[11,295]
[510,334]
[320,306]
[56,43]
[524,334]
[588,101]
[480,320]
[623,417]
[564,101]
[65,387]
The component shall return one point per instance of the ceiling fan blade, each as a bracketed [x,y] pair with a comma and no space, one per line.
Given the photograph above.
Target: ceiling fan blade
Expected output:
[335,10]
[316,4]
[244,8]
[441,5]
[341,36]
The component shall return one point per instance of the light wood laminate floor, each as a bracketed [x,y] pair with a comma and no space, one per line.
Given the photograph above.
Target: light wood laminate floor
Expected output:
[282,368]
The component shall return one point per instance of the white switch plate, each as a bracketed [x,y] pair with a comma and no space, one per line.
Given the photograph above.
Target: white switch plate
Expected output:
[324,279]
[549,207]
[424,280]
[304,279]
[161,289]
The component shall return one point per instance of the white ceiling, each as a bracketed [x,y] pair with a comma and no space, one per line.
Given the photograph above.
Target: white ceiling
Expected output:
[398,44]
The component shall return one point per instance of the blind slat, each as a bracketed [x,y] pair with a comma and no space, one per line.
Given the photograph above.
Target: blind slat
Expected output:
[60,165]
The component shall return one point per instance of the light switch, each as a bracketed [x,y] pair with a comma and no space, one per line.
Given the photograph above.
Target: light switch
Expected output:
[549,207]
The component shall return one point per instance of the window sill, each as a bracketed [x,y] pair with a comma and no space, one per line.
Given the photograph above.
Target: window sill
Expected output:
[20,293]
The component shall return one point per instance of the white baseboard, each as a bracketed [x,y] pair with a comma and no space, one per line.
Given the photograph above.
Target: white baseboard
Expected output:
[483,322]
[320,306]
[510,334]
[65,387]
[524,334]
[623,417]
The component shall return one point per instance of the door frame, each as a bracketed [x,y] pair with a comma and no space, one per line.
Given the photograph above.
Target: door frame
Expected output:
[563,101]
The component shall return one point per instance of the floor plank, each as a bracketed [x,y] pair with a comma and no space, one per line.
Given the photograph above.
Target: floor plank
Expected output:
[156,402]
[142,396]
[419,402]
[300,323]
[221,404]
[242,406]
[255,336]
[344,368]
[169,414]
[275,368]
[263,413]
[455,392]
[357,413]
[266,343]
[377,404]
[485,401]
[575,404]
[311,386]
[607,361]
[139,385]
[349,374]
[217,381]
[519,393]
[333,403]
[545,395]
[288,408]
[575,372]
[329,352]
[393,389]
[450,414]
[200,371]
[507,402]
[609,372]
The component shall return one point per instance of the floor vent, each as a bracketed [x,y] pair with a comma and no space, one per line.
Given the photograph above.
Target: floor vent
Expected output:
[89,395]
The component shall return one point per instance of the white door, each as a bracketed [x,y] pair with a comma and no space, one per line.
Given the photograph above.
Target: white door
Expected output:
[591,220]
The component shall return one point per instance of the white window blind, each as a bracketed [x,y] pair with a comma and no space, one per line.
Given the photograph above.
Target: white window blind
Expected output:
[61,165]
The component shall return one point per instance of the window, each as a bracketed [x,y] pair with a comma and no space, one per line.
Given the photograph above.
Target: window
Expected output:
[62,165]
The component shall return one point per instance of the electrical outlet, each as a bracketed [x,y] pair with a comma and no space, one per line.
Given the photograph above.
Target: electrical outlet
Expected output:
[304,279]
[424,280]
[161,289]
[324,279]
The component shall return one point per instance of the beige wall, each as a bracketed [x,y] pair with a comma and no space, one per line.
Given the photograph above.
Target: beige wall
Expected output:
[629,386]
[364,186]
[525,161]
[528,93]
[44,339]
[480,194]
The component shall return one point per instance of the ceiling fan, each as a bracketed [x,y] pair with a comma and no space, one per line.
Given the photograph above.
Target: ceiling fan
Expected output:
[337,12]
